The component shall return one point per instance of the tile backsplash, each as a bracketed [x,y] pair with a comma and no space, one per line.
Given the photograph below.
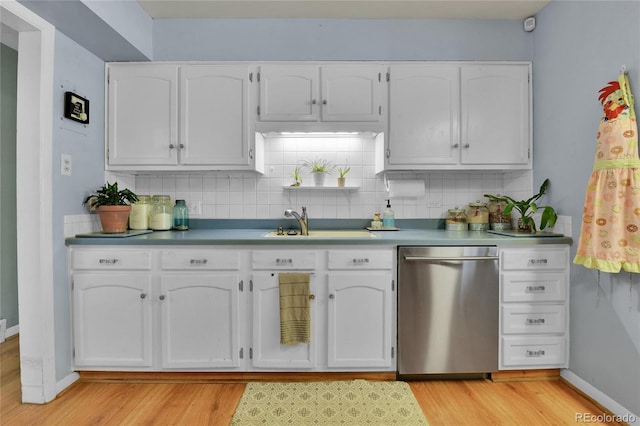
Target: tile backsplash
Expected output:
[249,195]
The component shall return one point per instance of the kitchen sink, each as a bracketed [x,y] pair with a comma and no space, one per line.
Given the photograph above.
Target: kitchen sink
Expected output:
[325,233]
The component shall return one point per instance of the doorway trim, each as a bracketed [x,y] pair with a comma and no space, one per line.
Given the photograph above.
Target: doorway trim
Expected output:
[36,38]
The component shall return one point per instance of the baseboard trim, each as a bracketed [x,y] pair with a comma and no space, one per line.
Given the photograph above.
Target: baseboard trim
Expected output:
[525,375]
[597,397]
[227,377]
[62,385]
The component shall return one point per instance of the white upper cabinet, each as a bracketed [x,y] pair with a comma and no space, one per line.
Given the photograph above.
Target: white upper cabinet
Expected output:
[458,117]
[209,104]
[142,115]
[311,93]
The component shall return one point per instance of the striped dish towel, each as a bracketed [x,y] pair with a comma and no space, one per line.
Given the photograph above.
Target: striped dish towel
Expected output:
[295,317]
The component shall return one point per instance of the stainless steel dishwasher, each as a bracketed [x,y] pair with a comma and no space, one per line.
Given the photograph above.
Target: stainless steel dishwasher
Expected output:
[447,310]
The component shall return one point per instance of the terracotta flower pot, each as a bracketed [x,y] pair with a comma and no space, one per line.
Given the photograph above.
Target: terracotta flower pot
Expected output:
[114,219]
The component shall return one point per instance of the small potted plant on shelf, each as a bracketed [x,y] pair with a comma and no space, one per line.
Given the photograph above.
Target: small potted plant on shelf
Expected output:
[527,208]
[342,176]
[319,168]
[113,206]
[297,177]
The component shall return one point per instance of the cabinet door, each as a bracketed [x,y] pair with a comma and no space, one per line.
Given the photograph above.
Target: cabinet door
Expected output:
[200,317]
[423,115]
[267,351]
[495,114]
[360,319]
[351,93]
[214,113]
[112,320]
[288,93]
[143,115]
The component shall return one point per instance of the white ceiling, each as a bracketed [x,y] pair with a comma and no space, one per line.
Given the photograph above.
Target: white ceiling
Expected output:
[350,9]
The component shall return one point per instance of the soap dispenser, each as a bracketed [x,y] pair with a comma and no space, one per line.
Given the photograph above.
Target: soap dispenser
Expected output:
[388,217]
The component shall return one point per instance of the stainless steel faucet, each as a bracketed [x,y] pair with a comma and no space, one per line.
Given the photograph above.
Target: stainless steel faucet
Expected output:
[303,220]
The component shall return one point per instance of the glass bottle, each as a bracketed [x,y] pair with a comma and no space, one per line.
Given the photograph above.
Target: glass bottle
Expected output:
[139,215]
[456,220]
[161,213]
[180,216]
[497,220]
[478,216]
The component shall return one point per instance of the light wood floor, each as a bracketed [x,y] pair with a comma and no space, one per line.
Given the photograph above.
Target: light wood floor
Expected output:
[467,402]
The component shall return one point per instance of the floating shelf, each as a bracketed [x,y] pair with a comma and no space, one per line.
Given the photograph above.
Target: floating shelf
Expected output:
[320,188]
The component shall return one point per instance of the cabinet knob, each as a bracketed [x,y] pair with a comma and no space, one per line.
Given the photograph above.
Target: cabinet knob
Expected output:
[161,297]
[313,101]
[143,295]
[456,145]
[171,146]
[181,146]
[332,296]
[324,102]
[466,145]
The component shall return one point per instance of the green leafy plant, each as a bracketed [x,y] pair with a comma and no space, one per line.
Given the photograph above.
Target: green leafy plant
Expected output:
[343,172]
[110,195]
[320,165]
[528,207]
[297,177]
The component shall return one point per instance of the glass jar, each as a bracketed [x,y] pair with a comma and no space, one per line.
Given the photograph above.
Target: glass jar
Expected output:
[478,216]
[497,220]
[180,216]
[456,220]
[139,215]
[161,213]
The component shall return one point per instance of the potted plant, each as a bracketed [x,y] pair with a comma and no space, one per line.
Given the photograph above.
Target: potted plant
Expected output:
[113,206]
[527,208]
[297,177]
[342,173]
[319,168]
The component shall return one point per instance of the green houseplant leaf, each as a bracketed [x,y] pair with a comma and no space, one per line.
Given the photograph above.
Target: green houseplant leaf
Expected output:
[110,195]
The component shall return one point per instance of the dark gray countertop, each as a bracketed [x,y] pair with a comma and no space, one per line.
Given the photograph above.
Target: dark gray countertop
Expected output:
[252,233]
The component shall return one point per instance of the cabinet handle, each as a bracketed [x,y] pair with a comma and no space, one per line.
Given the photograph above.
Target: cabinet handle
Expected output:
[536,289]
[281,261]
[538,261]
[171,146]
[161,297]
[538,353]
[332,296]
[534,321]
[109,261]
[198,261]
[251,153]
[361,261]
[143,295]
[388,153]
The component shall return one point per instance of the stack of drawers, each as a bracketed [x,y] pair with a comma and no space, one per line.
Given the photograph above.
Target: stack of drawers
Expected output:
[534,307]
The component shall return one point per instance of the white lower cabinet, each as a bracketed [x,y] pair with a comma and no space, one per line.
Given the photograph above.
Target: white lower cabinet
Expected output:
[534,307]
[198,308]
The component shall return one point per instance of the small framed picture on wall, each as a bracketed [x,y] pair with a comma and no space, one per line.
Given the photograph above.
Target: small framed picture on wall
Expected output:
[76,108]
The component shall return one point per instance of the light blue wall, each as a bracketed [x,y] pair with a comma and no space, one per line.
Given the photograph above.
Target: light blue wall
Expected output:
[8,259]
[79,71]
[335,39]
[577,48]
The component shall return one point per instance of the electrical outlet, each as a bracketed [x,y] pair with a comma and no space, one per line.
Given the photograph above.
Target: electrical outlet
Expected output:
[65,164]
[195,207]
[3,329]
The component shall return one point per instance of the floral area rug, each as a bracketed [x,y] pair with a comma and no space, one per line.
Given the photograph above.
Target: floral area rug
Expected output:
[352,402]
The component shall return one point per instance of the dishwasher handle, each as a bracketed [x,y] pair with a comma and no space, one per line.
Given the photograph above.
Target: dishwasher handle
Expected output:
[430,259]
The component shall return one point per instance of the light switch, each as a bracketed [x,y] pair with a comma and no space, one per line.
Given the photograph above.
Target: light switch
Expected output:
[65,164]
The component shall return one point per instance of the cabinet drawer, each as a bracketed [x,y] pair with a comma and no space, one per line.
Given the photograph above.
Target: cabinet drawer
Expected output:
[360,259]
[111,259]
[283,259]
[547,351]
[538,259]
[534,286]
[522,319]
[200,260]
